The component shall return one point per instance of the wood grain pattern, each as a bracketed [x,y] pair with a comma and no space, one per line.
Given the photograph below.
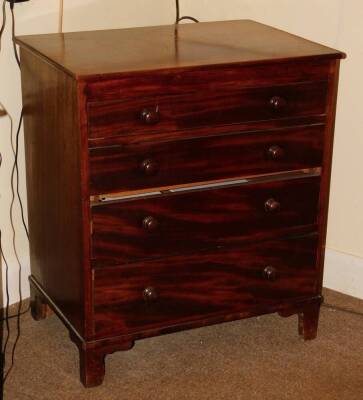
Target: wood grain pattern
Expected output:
[326,172]
[121,167]
[108,52]
[200,285]
[199,220]
[136,109]
[204,77]
[209,108]
[52,149]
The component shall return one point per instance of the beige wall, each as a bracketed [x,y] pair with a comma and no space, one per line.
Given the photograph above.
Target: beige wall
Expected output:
[337,23]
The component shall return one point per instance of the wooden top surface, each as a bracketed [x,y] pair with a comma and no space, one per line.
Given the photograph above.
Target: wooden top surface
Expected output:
[84,54]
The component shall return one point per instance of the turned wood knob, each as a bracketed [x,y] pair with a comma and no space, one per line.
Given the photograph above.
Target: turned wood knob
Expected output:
[270,273]
[150,224]
[150,294]
[149,167]
[150,116]
[278,103]
[272,205]
[275,152]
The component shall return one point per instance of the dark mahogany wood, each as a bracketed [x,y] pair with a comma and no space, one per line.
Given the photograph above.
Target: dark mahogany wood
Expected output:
[326,172]
[202,78]
[52,147]
[92,356]
[165,47]
[114,113]
[210,107]
[121,167]
[189,287]
[308,317]
[201,219]
[38,305]
[309,321]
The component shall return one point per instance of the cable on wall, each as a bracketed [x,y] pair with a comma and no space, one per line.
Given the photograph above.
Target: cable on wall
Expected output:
[20,304]
[2,256]
[179,18]
[6,308]
[13,33]
[16,153]
[15,193]
[21,116]
[3,23]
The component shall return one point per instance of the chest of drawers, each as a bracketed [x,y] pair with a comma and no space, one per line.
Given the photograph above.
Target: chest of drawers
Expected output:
[177,177]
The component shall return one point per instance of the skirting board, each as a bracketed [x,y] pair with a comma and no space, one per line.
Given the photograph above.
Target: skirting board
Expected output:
[344,273]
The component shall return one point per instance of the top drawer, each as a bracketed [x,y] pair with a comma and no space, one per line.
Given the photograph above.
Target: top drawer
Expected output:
[208,108]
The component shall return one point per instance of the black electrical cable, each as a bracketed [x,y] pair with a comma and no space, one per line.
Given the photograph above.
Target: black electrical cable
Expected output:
[17,177]
[20,304]
[16,155]
[17,138]
[3,23]
[15,165]
[15,172]
[4,347]
[177,5]
[3,350]
[16,315]
[13,33]
[342,309]
[179,18]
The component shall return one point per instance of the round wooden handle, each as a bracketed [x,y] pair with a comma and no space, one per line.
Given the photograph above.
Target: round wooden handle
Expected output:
[278,103]
[149,167]
[272,205]
[275,152]
[150,294]
[270,273]
[150,116]
[150,224]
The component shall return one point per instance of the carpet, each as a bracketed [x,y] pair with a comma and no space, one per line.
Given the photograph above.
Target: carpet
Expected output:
[254,359]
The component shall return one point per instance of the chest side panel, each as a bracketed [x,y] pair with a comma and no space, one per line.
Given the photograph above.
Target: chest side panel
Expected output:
[52,146]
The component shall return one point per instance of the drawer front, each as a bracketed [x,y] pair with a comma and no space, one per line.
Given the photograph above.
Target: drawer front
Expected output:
[220,77]
[158,114]
[126,231]
[154,164]
[178,289]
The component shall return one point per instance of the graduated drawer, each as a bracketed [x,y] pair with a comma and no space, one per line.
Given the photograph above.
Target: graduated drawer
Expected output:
[157,164]
[182,289]
[139,229]
[209,108]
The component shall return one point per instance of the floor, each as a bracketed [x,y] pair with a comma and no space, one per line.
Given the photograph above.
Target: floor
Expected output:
[255,359]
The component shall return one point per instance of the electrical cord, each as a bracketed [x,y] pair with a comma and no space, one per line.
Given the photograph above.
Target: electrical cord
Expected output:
[6,308]
[14,174]
[21,118]
[2,256]
[20,304]
[179,18]
[3,23]
[342,309]
[16,156]
[13,33]
[17,315]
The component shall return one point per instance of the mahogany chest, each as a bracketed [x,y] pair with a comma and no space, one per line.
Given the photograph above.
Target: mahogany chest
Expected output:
[178,176]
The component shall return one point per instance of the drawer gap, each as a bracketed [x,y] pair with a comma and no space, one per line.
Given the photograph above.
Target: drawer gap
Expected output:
[106,198]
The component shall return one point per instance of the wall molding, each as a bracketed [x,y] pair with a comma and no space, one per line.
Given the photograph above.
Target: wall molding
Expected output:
[343,273]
